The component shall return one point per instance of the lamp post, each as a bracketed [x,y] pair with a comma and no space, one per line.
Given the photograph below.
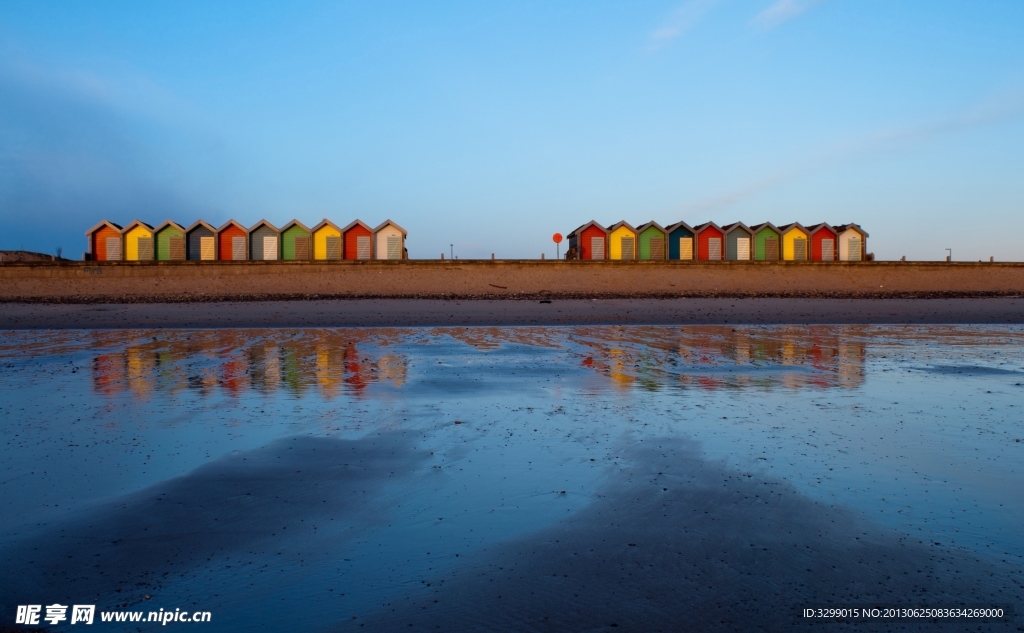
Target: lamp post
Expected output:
[557,239]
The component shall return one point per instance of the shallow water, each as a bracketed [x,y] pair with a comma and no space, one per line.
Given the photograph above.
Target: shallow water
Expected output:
[326,479]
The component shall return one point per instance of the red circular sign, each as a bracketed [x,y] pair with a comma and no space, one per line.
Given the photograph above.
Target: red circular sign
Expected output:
[557,237]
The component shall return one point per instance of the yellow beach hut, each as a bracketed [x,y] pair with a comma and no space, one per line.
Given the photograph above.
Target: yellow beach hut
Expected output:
[621,241]
[138,242]
[795,242]
[326,240]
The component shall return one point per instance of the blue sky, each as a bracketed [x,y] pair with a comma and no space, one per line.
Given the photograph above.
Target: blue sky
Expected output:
[490,126]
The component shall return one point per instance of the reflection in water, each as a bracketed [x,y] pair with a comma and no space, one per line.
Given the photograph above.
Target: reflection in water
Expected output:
[346,362]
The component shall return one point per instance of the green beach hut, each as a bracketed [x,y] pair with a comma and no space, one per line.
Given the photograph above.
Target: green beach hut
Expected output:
[170,242]
[653,240]
[295,242]
[767,242]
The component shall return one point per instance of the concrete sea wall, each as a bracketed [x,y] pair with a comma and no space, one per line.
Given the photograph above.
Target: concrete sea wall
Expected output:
[198,281]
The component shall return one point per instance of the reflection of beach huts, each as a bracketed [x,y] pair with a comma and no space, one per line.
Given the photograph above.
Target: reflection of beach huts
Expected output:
[104,242]
[853,243]
[766,242]
[170,242]
[232,242]
[263,241]
[358,241]
[295,241]
[590,241]
[138,242]
[621,241]
[680,241]
[653,240]
[823,243]
[794,242]
[389,241]
[201,242]
[709,241]
[738,238]
[326,241]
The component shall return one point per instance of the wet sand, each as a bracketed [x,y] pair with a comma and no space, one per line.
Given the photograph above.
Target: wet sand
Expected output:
[426,312]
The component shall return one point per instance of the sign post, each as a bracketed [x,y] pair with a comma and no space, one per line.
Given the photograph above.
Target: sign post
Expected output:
[557,238]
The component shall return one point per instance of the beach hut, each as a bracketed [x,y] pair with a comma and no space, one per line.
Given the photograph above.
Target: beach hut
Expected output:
[295,242]
[738,239]
[137,238]
[200,242]
[169,241]
[389,241]
[794,242]
[263,241]
[653,241]
[357,242]
[709,241]
[104,242]
[621,241]
[823,243]
[232,242]
[590,241]
[766,242]
[326,240]
[680,242]
[853,243]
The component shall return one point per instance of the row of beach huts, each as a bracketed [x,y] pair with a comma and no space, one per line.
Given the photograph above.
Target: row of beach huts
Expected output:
[711,242]
[231,241]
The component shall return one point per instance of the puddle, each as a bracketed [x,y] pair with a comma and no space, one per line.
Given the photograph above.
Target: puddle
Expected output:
[291,479]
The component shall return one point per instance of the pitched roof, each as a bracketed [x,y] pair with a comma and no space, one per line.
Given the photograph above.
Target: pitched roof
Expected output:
[325,223]
[855,227]
[263,223]
[200,223]
[230,223]
[652,223]
[679,225]
[729,228]
[295,223]
[583,227]
[168,223]
[824,225]
[785,228]
[389,222]
[619,225]
[134,224]
[103,223]
[757,228]
[703,227]
[355,223]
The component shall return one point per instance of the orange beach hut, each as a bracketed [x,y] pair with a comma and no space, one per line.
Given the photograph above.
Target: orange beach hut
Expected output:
[104,242]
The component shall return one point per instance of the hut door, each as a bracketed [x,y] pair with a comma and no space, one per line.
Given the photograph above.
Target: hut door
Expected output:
[854,249]
[800,249]
[301,247]
[714,248]
[113,249]
[828,250]
[657,248]
[597,248]
[333,247]
[363,247]
[686,248]
[771,249]
[628,249]
[145,249]
[743,248]
[206,248]
[394,247]
[176,248]
[238,248]
[269,247]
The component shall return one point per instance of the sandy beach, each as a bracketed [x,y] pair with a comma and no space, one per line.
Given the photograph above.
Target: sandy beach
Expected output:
[426,312]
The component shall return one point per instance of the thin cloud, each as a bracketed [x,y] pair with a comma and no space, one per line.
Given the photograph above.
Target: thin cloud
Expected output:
[680,21]
[782,11]
[877,143]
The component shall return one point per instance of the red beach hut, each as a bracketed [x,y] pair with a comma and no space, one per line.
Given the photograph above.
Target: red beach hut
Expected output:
[823,243]
[358,241]
[710,239]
